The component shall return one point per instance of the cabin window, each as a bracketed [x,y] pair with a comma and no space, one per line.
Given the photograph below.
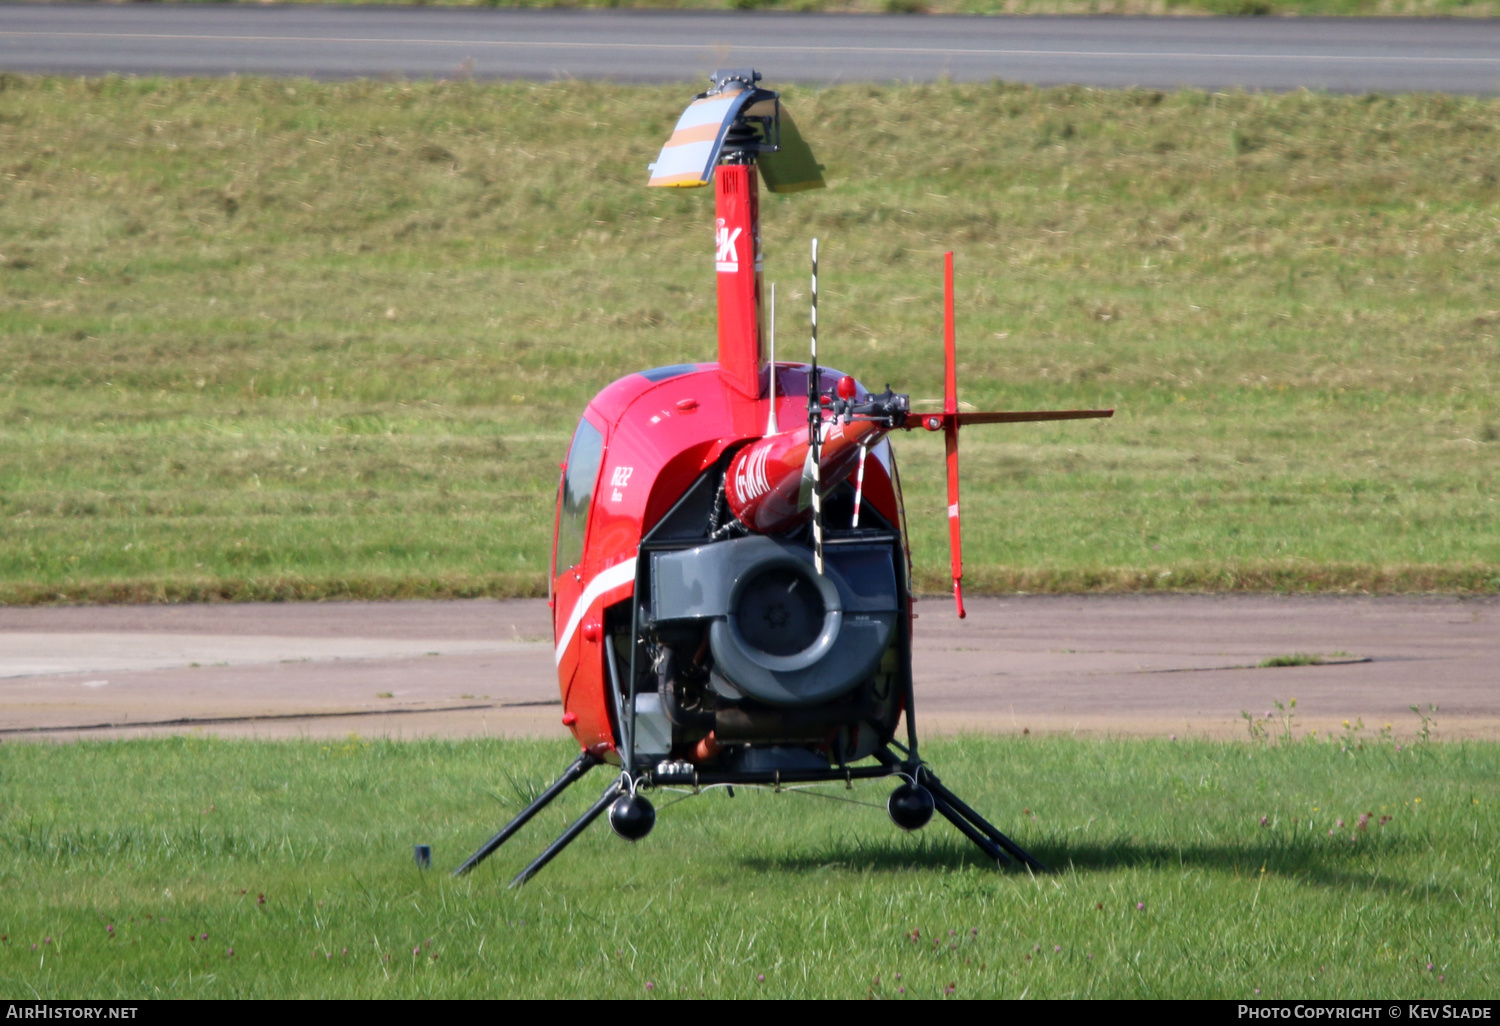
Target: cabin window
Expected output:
[584,457]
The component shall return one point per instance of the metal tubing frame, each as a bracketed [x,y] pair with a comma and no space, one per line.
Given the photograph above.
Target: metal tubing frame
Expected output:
[635,634]
[933,784]
[954,809]
[616,695]
[579,826]
[585,762]
[964,827]
[984,835]
[828,776]
[910,712]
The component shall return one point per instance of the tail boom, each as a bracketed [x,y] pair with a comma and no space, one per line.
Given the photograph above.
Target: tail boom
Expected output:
[765,483]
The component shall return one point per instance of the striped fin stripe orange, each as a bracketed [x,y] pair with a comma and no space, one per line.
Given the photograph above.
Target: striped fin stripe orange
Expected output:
[685,159]
[706,132]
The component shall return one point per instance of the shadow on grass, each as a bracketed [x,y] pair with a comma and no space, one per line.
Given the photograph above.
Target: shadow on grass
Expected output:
[1305,858]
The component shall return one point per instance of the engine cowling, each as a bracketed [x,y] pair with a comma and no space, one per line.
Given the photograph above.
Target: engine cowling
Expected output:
[780,632]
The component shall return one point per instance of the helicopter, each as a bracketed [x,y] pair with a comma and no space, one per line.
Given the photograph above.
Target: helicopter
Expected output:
[731,587]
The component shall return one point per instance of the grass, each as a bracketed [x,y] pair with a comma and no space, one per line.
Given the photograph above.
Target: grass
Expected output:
[1306,869]
[267,339]
[1294,659]
[1323,8]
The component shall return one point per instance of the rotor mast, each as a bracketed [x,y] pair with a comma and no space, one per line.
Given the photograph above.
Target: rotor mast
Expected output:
[737,263]
[738,258]
[734,135]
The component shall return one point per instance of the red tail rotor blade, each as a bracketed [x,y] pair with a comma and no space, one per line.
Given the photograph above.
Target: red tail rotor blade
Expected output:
[950,436]
[951,420]
[955,532]
[950,368]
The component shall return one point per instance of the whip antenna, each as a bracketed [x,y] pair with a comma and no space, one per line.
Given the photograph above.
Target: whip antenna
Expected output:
[771,428]
[815,423]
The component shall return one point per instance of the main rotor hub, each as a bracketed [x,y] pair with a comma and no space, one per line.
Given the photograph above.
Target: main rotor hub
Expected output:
[726,79]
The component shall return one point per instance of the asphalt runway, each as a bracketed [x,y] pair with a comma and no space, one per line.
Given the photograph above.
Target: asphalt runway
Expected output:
[1334,54]
[1154,665]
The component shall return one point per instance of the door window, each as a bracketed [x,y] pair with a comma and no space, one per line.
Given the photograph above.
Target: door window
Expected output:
[584,458]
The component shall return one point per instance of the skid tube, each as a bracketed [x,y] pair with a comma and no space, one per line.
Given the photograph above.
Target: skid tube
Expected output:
[585,762]
[946,797]
[569,835]
[985,835]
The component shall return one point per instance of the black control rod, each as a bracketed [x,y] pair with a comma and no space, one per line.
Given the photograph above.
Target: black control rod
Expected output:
[581,765]
[981,842]
[945,796]
[579,826]
[985,835]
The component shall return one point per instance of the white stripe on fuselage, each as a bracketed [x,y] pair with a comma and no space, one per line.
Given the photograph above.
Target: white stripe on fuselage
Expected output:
[615,576]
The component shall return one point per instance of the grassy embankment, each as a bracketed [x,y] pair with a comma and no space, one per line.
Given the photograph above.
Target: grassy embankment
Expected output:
[1185,869]
[1304,8]
[281,339]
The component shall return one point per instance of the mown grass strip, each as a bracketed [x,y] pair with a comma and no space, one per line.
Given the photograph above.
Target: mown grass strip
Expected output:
[273,589]
[1323,8]
[191,867]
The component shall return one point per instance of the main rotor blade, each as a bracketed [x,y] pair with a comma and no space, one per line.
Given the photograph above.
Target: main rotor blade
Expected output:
[1018,417]
[792,168]
[688,157]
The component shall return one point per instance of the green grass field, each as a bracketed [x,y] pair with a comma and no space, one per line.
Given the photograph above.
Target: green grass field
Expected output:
[1221,870]
[286,339]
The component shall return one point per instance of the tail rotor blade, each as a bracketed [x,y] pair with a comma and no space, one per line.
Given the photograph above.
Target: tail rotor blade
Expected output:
[950,437]
[1022,416]
[955,532]
[950,369]
[951,420]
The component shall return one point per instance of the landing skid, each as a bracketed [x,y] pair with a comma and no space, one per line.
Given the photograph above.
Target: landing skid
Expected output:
[985,836]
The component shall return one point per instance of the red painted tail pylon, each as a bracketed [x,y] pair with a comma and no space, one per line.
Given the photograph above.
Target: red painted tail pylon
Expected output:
[732,601]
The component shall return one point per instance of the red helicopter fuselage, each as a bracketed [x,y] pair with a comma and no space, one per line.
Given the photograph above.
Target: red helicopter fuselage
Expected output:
[731,583]
[702,440]
[642,444]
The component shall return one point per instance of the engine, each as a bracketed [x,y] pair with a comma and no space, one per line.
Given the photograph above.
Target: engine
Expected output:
[749,658]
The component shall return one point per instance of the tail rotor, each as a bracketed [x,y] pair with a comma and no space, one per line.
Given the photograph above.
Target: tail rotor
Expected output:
[950,437]
[950,420]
